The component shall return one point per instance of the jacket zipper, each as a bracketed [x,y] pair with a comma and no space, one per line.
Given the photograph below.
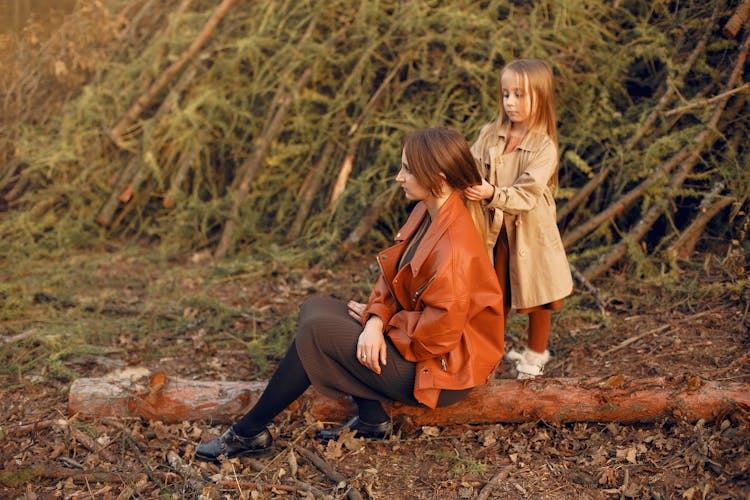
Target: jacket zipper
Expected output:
[422,289]
[388,284]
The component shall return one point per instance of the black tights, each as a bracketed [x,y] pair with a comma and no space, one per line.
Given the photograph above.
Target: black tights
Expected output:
[287,384]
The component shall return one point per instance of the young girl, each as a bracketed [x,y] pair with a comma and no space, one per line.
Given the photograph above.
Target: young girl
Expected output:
[428,332]
[518,156]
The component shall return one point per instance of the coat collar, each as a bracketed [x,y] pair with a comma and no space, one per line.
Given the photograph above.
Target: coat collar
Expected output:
[445,217]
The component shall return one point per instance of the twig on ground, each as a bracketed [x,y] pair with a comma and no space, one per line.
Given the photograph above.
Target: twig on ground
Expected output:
[15,338]
[32,427]
[632,340]
[328,470]
[590,287]
[191,478]
[92,445]
[736,362]
[496,480]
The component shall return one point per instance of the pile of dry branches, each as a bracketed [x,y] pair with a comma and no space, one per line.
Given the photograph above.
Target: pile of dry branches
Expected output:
[240,126]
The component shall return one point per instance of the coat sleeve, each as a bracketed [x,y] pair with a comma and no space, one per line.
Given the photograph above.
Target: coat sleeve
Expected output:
[381,302]
[528,188]
[441,315]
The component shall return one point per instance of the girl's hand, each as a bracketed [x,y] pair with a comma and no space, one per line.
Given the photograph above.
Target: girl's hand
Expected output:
[371,348]
[483,191]
[355,309]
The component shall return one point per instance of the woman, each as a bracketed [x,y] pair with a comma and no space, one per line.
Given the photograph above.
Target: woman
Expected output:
[428,333]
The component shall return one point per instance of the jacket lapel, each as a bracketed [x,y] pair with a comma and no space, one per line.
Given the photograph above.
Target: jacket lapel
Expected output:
[445,217]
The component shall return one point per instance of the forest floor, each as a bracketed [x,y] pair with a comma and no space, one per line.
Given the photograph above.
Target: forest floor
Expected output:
[87,315]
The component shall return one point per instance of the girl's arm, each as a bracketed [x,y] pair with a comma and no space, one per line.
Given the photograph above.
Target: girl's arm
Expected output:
[528,188]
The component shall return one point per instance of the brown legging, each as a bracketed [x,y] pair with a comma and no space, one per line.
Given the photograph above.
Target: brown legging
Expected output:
[540,317]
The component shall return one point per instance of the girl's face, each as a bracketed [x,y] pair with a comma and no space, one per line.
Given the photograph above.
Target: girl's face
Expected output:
[516,98]
[413,190]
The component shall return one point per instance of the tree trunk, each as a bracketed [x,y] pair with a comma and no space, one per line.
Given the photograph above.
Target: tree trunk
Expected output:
[116,132]
[703,140]
[614,399]
[740,16]
[252,164]
[712,204]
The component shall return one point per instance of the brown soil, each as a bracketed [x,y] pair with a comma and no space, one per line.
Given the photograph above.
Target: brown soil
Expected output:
[45,452]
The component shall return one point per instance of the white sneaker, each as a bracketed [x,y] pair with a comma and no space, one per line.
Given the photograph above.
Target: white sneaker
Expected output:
[531,364]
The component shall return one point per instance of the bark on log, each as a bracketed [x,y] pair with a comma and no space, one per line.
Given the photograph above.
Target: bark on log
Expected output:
[614,399]
[740,16]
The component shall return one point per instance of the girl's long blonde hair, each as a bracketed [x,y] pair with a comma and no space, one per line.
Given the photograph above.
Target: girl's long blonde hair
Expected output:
[435,151]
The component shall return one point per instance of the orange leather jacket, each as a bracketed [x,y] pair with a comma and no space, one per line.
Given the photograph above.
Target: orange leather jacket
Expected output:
[444,309]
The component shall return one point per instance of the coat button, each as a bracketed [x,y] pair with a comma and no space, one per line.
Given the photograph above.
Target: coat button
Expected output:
[426,370]
[383,257]
[522,253]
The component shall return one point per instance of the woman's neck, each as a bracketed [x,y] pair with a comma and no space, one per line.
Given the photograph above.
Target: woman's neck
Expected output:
[434,203]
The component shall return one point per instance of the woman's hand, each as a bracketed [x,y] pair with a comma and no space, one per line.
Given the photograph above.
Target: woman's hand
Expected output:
[371,348]
[355,309]
[483,191]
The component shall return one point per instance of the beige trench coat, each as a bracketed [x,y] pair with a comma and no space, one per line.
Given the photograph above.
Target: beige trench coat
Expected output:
[524,202]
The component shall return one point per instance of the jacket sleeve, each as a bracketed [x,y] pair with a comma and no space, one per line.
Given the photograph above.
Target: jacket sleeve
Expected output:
[381,302]
[440,319]
[528,188]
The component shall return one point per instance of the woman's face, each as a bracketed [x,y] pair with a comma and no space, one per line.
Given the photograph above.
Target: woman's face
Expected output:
[516,99]
[413,190]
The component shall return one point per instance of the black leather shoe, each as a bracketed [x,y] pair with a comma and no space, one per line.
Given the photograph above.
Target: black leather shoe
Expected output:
[360,428]
[231,445]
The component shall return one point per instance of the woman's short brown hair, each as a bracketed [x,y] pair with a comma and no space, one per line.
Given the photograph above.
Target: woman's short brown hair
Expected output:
[440,152]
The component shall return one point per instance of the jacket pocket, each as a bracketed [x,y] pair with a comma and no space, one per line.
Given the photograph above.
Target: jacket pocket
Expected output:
[548,235]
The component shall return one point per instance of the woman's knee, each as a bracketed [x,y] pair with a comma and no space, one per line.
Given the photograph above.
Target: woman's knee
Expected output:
[325,325]
[315,317]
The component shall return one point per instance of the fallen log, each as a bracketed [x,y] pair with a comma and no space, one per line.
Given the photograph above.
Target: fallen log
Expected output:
[599,399]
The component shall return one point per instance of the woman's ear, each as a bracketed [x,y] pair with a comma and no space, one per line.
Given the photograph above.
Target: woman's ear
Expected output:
[444,186]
